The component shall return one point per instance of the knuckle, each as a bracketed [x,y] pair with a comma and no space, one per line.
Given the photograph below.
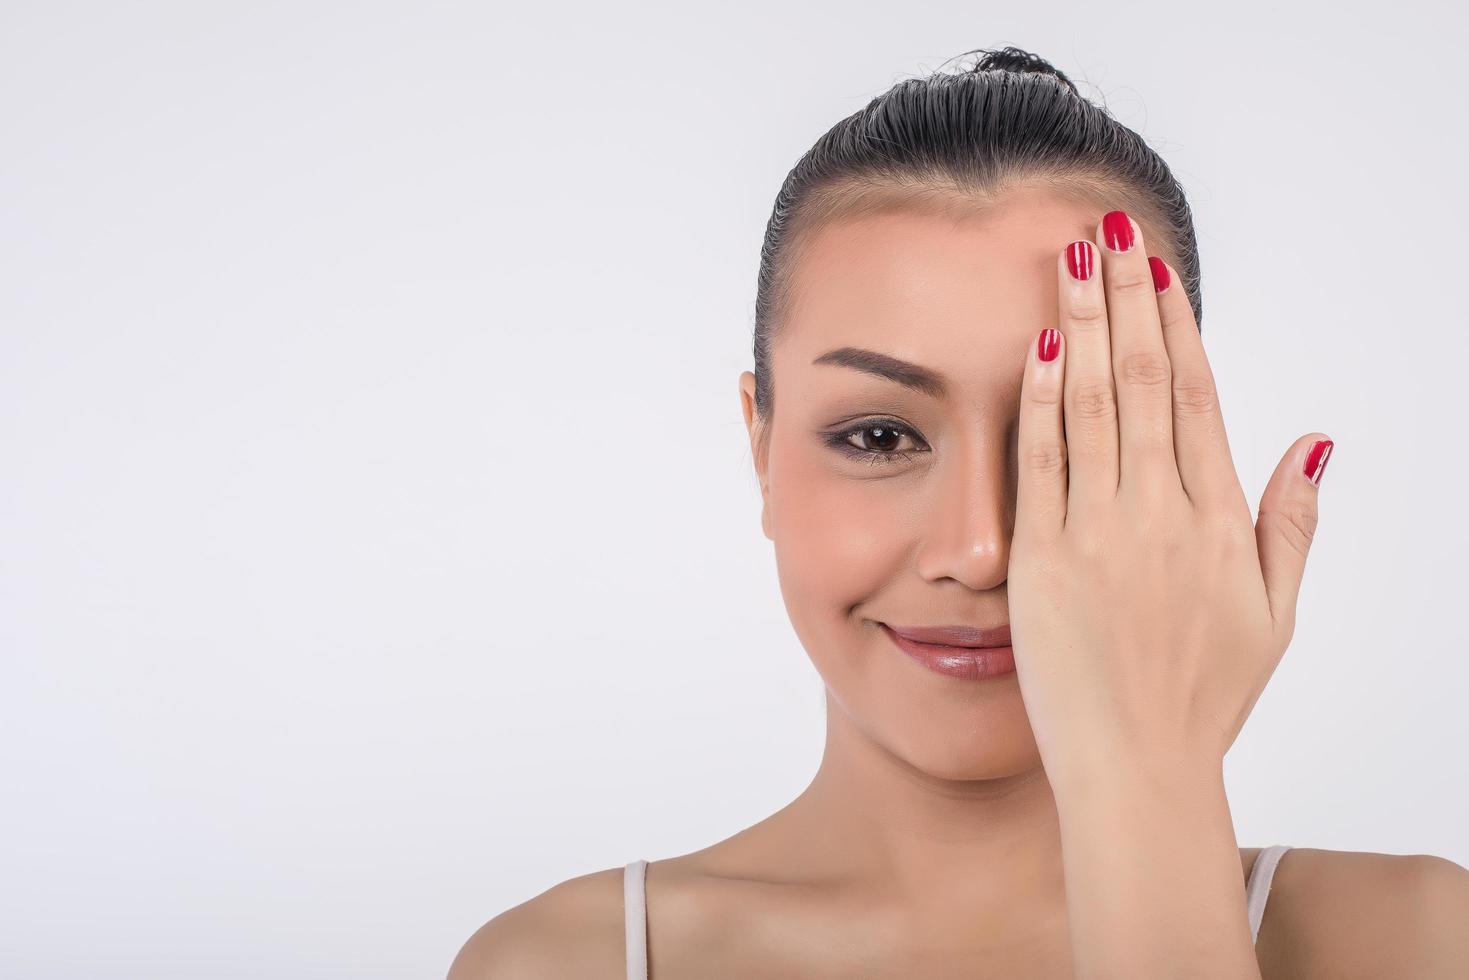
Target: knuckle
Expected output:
[1298,525]
[1092,548]
[1046,458]
[1152,515]
[1303,518]
[1230,535]
[1131,280]
[1194,396]
[1094,400]
[1146,367]
[1087,313]
[1044,396]
[1162,520]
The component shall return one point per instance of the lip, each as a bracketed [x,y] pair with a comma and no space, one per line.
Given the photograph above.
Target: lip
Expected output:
[966,662]
[956,636]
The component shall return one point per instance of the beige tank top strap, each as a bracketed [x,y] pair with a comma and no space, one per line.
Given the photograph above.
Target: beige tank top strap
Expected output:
[635,917]
[1257,890]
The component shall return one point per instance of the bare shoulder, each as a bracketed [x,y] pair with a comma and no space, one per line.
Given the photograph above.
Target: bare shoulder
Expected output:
[574,928]
[1359,914]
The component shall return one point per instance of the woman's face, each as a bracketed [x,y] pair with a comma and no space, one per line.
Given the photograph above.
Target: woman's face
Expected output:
[921,538]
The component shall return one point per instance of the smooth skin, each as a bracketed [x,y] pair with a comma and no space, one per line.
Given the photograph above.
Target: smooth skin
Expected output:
[1044,823]
[1145,620]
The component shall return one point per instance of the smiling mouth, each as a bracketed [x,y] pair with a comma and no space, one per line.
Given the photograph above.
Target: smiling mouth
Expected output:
[963,661]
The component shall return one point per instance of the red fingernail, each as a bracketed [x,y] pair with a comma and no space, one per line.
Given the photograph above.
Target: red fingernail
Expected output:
[1161,278]
[1079,260]
[1117,231]
[1048,344]
[1316,461]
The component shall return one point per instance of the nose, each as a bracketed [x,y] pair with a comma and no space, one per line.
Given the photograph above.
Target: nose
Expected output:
[966,517]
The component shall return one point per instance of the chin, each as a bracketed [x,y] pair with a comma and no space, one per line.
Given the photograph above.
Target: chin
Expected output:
[925,725]
[965,760]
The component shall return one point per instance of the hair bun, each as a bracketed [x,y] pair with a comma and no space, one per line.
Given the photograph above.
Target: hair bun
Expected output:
[1019,60]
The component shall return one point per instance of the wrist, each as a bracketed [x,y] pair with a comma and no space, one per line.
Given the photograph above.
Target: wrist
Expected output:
[1107,772]
[1153,882]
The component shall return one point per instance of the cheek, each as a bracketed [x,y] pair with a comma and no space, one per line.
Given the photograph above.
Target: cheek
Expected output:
[836,537]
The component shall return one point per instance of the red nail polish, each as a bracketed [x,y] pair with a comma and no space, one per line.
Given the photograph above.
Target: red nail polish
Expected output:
[1316,461]
[1161,277]
[1079,260]
[1048,344]
[1117,231]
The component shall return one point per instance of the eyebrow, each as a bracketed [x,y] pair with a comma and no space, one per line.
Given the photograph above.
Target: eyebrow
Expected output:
[905,373]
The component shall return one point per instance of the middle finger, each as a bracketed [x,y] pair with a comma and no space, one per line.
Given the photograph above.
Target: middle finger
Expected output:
[1144,374]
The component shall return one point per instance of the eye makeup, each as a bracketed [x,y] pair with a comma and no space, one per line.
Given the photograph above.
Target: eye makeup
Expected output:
[885,428]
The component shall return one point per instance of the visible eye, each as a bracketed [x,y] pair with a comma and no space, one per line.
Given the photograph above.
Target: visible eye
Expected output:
[879,434]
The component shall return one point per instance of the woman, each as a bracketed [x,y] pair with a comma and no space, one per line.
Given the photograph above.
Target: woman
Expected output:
[1010,536]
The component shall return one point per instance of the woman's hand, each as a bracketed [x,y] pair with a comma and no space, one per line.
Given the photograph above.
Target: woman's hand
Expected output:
[1146,617]
[1147,612]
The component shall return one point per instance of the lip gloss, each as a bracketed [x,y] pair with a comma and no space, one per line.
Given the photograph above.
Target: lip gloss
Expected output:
[965,663]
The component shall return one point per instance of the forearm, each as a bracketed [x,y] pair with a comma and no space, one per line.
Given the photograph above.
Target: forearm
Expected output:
[1154,887]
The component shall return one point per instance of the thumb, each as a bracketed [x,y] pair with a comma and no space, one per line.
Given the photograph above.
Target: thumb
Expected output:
[1287,523]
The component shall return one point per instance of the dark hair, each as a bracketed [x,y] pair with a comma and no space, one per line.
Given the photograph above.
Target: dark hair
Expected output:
[952,142]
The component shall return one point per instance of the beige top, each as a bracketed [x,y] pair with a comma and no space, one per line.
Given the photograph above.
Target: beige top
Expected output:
[635,904]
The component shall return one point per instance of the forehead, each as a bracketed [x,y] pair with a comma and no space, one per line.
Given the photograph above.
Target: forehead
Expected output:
[963,290]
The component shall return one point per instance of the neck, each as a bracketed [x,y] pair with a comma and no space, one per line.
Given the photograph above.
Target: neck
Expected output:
[983,851]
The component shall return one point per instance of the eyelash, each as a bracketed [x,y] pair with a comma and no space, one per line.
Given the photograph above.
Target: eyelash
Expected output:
[838,440]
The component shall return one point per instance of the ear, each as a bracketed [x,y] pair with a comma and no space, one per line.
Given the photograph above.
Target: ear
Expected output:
[753,428]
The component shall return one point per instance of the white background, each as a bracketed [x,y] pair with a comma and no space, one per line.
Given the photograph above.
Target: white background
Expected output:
[379,542]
